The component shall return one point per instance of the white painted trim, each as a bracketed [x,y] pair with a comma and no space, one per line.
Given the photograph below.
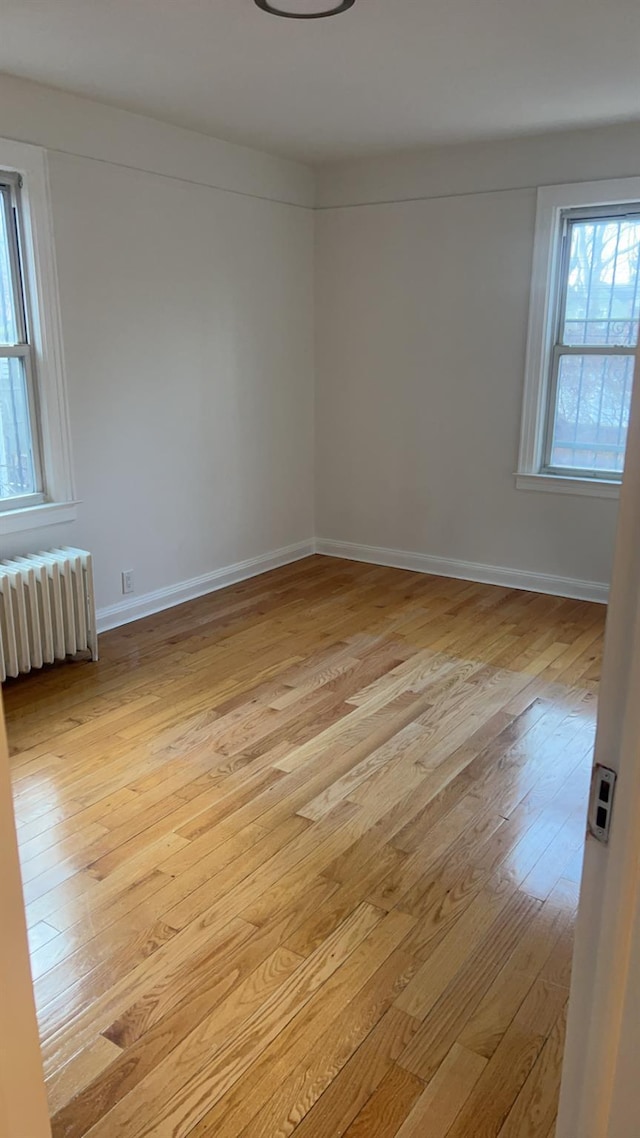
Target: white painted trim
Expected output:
[574,195]
[551,201]
[467,570]
[45,318]
[557,484]
[32,517]
[541,308]
[134,608]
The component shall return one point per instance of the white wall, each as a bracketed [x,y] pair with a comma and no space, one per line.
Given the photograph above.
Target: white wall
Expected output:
[58,121]
[516,163]
[186,272]
[187,322]
[422,306]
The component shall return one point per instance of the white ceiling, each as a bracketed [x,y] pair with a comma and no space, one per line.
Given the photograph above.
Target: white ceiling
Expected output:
[386,75]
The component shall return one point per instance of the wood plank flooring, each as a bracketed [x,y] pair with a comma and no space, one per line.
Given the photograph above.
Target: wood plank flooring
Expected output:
[302,858]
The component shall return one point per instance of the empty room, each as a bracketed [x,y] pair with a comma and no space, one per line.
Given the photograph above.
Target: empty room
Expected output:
[319,569]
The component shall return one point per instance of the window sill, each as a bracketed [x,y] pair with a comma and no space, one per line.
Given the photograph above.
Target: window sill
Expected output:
[35,517]
[558,484]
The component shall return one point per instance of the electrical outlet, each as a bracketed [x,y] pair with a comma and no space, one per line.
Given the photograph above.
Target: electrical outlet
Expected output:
[127,581]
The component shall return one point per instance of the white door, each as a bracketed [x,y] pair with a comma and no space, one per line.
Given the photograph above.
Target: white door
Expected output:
[600,1095]
[625,1101]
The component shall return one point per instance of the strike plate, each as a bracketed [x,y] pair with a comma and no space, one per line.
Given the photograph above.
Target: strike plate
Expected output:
[603,784]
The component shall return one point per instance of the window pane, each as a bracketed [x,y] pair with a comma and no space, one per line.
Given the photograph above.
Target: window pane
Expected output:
[592,412]
[17,469]
[8,325]
[603,302]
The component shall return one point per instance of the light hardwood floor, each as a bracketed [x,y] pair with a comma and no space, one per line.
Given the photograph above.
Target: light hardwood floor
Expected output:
[302,857]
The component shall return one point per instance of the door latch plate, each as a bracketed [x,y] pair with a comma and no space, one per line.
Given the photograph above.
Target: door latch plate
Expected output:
[603,784]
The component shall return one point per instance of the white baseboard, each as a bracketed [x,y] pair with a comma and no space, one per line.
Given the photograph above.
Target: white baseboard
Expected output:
[134,608]
[467,570]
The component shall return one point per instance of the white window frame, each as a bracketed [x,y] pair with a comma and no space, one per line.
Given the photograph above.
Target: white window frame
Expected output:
[552,202]
[39,267]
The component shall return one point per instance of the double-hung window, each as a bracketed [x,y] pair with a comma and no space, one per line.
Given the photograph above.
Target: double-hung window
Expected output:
[36,479]
[583,334]
[20,463]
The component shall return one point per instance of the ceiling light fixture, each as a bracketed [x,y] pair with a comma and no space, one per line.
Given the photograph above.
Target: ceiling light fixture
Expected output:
[305,9]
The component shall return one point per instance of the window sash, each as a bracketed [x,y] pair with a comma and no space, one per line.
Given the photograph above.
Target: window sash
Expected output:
[547,467]
[19,501]
[570,218]
[10,210]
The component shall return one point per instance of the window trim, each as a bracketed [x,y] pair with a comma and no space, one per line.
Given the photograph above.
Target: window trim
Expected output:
[552,201]
[45,325]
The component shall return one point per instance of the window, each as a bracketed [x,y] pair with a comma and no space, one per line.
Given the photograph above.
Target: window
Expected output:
[593,356]
[36,484]
[20,469]
[583,333]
